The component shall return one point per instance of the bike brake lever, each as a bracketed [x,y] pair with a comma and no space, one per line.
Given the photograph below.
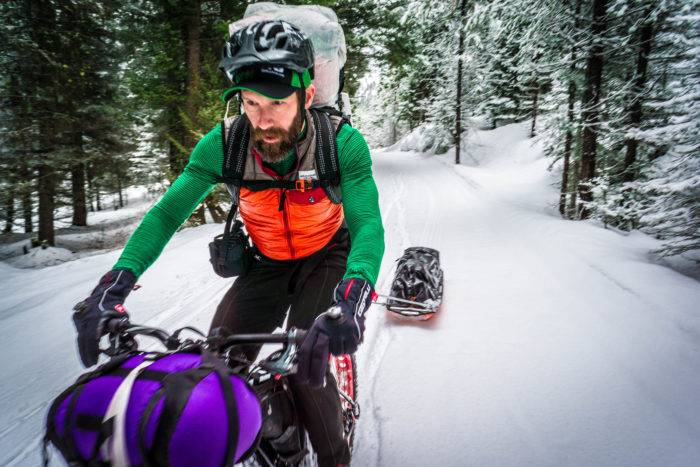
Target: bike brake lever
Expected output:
[120,343]
[284,364]
[334,313]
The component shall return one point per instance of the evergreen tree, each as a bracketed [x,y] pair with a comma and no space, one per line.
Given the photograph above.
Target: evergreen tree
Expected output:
[62,74]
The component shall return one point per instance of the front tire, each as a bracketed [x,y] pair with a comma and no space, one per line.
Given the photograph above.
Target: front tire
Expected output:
[344,369]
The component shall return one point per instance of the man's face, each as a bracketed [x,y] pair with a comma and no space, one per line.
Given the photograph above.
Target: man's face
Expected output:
[276,124]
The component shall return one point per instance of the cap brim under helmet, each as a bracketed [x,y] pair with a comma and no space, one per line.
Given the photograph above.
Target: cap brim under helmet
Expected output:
[272,82]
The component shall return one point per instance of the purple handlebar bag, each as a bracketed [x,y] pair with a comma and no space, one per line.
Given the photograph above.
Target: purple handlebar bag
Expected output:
[185,408]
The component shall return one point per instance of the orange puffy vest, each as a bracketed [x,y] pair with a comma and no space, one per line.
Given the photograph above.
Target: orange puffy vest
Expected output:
[289,224]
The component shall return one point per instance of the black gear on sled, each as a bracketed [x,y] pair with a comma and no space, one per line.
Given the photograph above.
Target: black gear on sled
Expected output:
[418,279]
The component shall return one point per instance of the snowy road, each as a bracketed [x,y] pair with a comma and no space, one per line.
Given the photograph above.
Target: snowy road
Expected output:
[559,343]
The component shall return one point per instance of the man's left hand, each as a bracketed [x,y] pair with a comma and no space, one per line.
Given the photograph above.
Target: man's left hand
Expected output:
[337,331]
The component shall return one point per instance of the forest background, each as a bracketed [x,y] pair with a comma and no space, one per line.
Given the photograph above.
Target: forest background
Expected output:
[100,96]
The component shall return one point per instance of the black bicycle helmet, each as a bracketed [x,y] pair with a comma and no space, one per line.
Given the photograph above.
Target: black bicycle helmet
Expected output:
[267,43]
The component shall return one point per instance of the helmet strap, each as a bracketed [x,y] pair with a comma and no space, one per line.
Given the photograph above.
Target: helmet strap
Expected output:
[302,101]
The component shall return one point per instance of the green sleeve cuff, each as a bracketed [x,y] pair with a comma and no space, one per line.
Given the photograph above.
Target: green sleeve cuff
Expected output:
[360,275]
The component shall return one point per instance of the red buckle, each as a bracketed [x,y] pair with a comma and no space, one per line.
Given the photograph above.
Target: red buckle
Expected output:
[303,184]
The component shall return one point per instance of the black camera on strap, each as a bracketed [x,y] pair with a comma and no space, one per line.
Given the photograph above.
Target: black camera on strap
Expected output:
[230,253]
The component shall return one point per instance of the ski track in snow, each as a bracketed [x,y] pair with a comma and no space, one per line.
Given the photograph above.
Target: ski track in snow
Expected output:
[558,343]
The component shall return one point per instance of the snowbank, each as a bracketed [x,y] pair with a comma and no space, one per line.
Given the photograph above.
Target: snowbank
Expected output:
[424,138]
[428,138]
[10,250]
[40,257]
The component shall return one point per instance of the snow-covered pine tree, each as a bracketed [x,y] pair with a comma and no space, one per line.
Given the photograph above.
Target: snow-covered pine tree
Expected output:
[670,183]
[416,85]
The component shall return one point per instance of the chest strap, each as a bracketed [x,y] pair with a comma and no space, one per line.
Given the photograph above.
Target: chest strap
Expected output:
[302,185]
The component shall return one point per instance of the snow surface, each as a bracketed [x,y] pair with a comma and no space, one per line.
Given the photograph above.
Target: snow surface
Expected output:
[558,343]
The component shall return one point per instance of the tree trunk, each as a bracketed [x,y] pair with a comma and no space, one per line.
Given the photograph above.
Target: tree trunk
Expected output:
[93,188]
[567,162]
[226,10]
[42,29]
[646,36]
[218,214]
[78,185]
[192,25]
[175,133]
[570,116]
[26,196]
[119,190]
[192,31]
[98,202]
[10,207]
[174,158]
[90,174]
[27,211]
[46,188]
[198,217]
[572,211]
[535,94]
[590,106]
[13,108]
[458,99]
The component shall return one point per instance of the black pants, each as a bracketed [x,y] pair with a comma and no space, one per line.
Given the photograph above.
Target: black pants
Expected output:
[258,303]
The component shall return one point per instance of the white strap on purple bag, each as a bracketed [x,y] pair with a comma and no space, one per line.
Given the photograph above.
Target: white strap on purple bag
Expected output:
[114,448]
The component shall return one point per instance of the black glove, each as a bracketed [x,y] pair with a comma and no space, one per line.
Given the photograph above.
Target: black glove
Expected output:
[105,303]
[338,331]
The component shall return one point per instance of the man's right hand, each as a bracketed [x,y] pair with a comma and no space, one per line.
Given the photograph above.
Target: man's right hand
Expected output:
[104,303]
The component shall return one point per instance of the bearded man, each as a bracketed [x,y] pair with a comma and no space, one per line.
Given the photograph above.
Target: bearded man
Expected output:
[313,247]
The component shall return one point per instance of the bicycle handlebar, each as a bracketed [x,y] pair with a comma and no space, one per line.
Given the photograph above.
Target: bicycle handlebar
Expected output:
[274,338]
[172,341]
[121,336]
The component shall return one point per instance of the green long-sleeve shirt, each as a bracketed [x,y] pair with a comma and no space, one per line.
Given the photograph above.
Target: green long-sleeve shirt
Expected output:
[360,205]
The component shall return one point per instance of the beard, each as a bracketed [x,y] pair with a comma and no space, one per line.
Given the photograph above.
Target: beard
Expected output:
[286,140]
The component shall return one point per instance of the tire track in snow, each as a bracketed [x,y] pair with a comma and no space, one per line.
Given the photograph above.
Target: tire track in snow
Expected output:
[23,450]
[379,337]
[19,458]
[382,331]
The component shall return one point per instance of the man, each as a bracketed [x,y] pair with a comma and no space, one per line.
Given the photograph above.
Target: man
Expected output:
[311,250]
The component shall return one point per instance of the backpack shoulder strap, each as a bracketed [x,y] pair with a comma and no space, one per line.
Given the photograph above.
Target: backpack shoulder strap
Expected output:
[333,112]
[327,163]
[236,137]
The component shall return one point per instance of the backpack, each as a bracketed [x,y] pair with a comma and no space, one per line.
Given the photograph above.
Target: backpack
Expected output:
[173,409]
